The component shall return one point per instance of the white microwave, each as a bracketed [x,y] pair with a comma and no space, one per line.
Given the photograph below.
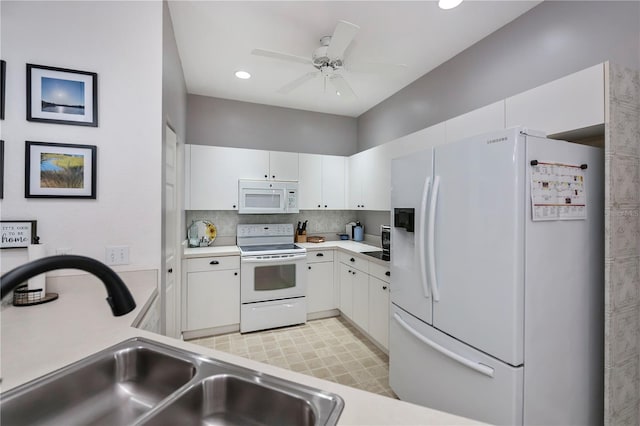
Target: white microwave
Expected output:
[267,197]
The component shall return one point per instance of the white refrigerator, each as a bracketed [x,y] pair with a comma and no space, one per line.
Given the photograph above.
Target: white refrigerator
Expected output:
[497,273]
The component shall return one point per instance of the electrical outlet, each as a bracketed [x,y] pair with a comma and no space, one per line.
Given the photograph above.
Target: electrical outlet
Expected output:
[117,255]
[63,250]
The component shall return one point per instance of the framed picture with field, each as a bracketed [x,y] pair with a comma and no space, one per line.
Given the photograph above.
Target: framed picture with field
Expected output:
[60,170]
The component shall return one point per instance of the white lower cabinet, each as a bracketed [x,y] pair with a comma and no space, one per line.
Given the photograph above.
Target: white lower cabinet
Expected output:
[364,296]
[379,311]
[213,292]
[360,282]
[346,290]
[320,287]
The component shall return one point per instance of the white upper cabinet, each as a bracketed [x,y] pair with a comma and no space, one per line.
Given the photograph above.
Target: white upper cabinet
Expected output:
[282,166]
[333,182]
[369,179]
[569,103]
[481,120]
[212,174]
[310,181]
[321,180]
[357,169]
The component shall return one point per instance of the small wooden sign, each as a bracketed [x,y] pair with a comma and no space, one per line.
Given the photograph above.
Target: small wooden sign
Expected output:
[17,233]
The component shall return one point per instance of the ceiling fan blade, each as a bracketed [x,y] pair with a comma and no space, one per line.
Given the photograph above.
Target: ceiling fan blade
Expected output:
[341,39]
[375,68]
[282,56]
[298,82]
[342,87]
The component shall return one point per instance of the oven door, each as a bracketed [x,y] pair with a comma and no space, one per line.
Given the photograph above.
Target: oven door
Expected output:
[273,277]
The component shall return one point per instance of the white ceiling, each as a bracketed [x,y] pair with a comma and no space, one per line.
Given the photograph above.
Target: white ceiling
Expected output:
[215,39]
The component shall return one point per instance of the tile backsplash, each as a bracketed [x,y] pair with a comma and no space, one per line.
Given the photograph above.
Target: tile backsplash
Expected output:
[321,222]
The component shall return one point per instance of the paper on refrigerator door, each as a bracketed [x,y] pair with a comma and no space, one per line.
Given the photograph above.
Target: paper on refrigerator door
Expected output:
[557,192]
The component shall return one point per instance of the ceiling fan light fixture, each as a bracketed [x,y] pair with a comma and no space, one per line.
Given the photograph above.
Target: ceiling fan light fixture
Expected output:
[243,75]
[448,4]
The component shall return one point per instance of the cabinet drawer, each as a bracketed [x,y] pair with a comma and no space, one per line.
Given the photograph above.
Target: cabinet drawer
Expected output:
[381,272]
[213,263]
[319,256]
[355,262]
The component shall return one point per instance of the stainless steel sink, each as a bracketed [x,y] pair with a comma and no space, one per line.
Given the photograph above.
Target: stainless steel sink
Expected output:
[231,400]
[143,382]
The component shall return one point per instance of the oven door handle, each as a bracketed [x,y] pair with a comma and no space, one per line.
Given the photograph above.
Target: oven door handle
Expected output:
[274,259]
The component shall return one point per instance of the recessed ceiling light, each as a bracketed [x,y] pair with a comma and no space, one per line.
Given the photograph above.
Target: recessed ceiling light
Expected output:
[448,4]
[243,75]
[338,93]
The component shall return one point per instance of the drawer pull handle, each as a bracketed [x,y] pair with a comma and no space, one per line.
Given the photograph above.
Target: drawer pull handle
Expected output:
[384,287]
[352,259]
[309,267]
[388,273]
[214,262]
[319,254]
[235,274]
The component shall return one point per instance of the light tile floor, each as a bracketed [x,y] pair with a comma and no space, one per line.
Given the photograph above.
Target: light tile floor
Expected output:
[330,348]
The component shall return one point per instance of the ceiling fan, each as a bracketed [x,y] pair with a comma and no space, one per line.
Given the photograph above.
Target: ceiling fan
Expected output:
[328,59]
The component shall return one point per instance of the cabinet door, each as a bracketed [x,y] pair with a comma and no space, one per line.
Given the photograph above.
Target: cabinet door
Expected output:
[310,181]
[569,103]
[360,282]
[283,165]
[376,186]
[214,171]
[346,290]
[379,311]
[320,287]
[356,169]
[213,299]
[333,182]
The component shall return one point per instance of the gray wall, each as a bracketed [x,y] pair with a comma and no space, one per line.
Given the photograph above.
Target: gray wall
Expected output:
[223,122]
[548,42]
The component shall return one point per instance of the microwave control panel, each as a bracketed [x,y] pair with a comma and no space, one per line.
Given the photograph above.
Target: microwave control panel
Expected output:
[292,199]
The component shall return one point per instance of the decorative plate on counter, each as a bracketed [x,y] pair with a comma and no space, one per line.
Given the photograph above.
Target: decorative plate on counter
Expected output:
[201,233]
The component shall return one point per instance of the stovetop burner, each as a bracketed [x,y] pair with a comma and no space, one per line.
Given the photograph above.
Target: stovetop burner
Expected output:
[379,255]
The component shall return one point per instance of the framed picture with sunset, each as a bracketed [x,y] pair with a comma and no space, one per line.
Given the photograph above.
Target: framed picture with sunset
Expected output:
[59,170]
[62,96]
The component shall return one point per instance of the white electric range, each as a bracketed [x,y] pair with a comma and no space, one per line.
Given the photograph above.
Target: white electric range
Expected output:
[273,280]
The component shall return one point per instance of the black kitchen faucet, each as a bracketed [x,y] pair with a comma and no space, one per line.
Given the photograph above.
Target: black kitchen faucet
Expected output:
[119,297]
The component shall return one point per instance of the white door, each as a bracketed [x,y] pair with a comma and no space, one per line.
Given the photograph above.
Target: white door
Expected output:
[479,243]
[436,371]
[310,181]
[171,299]
[410,184]
[214,173]
[333,182]
[283,165]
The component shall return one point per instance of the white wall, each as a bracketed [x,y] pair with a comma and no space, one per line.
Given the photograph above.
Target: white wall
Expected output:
[122,42]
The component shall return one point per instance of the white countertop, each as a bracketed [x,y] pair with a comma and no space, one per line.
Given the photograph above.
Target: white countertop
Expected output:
[39,339]
[344,245]
[211,251]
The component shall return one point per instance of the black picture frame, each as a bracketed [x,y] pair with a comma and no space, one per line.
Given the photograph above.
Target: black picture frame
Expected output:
[60,170]
[3,83]
[62,96]
[17,233]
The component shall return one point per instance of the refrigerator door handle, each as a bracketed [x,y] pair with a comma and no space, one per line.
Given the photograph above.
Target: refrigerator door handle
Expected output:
[480,368]
[422,257]
[432,230]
